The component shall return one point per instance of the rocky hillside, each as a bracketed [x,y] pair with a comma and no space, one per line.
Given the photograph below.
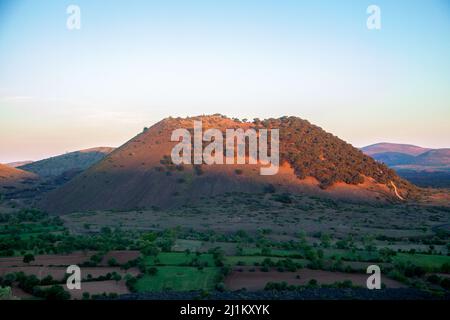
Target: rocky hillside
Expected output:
[141,174]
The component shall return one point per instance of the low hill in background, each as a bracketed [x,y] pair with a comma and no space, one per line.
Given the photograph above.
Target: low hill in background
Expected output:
[422,166]
[31,180]
[69,162]
[393,158]
[393,147]
[435,157]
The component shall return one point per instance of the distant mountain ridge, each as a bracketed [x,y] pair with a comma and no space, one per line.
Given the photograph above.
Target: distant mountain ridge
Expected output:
[435,157]
[404,156]
[424,167]
[383,147]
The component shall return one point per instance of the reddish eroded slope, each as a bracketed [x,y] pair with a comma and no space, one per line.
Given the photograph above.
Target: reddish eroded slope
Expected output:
[140,174]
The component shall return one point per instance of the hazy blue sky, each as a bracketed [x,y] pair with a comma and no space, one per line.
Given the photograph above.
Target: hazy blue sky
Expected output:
[136,62]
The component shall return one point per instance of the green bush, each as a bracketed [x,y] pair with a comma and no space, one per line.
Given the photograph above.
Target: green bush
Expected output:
[28,258]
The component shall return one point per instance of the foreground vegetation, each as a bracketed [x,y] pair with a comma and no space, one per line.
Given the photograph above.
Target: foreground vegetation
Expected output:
[163,258]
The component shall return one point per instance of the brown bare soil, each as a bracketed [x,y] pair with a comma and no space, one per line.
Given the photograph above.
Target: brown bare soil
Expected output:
[121,256]
[48,260]
[58,273]
[257,280]
[76,258]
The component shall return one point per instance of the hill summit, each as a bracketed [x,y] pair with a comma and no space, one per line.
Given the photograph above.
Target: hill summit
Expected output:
[141,174]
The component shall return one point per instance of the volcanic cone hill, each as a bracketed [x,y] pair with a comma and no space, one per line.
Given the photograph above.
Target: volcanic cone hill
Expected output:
[140,173]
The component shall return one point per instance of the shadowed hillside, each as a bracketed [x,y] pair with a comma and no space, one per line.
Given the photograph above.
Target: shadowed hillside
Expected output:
[394,158]
[73,161]
[140,173]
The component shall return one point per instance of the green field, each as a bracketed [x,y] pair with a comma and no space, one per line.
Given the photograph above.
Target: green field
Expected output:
[349,255]
[26,233]
[27,230]
[179,279]
[429,262]
[179,258]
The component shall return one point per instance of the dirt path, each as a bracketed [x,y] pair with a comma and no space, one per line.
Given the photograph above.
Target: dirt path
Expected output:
[396,192]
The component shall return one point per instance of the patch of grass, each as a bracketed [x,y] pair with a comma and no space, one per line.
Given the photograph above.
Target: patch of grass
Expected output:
[429,262]
[179,279]
[349,255]
[178,259]
[27,230]
[28,235]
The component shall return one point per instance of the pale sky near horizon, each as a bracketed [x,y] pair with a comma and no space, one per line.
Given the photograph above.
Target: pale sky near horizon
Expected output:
[133,63]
